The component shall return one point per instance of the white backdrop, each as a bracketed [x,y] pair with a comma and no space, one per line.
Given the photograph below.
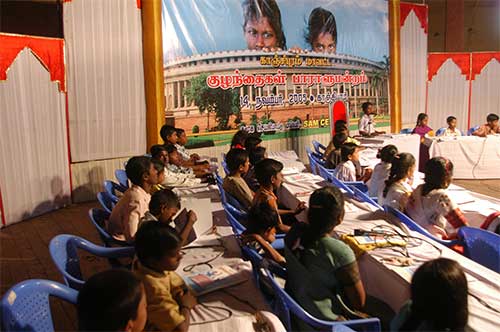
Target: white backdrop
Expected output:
[107,108]
[34,168]
[413,68]
[448,95]
[485,93]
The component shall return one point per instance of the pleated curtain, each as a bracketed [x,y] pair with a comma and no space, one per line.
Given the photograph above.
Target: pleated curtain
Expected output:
[485,96]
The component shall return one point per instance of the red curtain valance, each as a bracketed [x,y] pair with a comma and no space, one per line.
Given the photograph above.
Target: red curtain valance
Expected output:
[50,52]
[436,60]
[479,60]
[420,11]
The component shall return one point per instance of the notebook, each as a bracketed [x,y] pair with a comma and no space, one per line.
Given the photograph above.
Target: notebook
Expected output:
[180,222]
[216,278]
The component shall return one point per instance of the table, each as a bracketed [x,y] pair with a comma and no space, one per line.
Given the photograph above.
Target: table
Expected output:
[473,157]
[289,159]
[404,143]
[244,299]
[392,283]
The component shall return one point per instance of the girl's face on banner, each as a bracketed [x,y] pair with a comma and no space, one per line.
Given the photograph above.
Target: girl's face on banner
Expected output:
[324,43]
[259,34]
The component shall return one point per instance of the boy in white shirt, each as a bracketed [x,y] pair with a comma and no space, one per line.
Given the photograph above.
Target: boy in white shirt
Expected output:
[366,124]
[452,127]
[346,171]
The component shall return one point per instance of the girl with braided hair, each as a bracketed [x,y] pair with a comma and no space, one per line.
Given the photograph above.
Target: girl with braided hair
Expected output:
[397,188]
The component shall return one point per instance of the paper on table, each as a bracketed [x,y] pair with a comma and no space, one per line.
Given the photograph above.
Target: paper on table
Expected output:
[461,197]
[482,207]
[203,209]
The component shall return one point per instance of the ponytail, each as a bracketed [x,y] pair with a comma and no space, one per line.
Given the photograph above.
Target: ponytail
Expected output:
[401,164]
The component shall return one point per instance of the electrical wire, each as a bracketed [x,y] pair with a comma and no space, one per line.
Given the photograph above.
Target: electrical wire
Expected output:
[229,315]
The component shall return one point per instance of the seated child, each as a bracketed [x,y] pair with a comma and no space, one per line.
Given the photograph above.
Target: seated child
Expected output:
[261,231]
[452,127]
[439,299]
[397,187]
[255,155]
[132,206]
[382,169]
[333,158]
[252,142]
[168,134]
[429,204]
[238,163]
[175,164]
[340,127]
[160,168]
[346,170]
[163,206]
[158,250]
[490,128]
[112,300]
[268,173]
[239,138]
[180,145]
[171,179]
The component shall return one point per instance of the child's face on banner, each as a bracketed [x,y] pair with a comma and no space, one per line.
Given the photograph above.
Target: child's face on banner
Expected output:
[259,34]
[324,43]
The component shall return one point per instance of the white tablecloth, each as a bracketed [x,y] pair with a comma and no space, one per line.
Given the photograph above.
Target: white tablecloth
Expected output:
[289,159]
[404,143]
[473,157]
[392,283]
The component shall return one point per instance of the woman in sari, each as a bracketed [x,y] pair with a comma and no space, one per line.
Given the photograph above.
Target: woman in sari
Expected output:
[422,129]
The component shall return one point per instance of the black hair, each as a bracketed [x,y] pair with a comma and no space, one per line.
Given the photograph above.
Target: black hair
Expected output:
[158,165]
[401,164]
[491,117]
[387,153]
[339,139]
[326,211]
[154,240]
[235,158]
[251,142]
[438,174]
[257,154]
[256,9]
[170,148]
[365,106]
[266,169]
[346,150]
[420,118]
[165,197]
[239,138]
[108,300]
[136,168]
[450,118]
[261,217]
[340,125]
[179,131]
[320,21]
[439,294]
[166,131]
[155,150]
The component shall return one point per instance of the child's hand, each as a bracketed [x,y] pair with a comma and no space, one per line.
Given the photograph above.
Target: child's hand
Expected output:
[188,300]
[192,218]
[246,238]
[195,157]
[300,207]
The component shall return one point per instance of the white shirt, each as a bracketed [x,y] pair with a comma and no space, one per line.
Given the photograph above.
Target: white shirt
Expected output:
[397,196]
[183,151]
[380,174]
[449,132]
[173,179]
[345,171]
[366,124]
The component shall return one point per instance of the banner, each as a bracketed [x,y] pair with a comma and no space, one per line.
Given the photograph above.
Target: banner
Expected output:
[272,65]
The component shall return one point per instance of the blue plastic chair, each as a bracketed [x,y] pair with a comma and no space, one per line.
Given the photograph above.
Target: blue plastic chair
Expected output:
[63,250]
[112,188]
[361,196]
[318,147]
[237,227]
[98,218]
[257,260]
[417,228]
[122,178]
[482,246]
[406,131]
[26,307]
[106,202]
[327,174]
[440,131]
[471,130]
[313,162]
[286,307]
[224,167]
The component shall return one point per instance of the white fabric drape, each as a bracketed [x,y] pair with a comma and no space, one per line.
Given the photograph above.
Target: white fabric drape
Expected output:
[413,68]
[107,108]
[448,95]
[34,168]
[485,93]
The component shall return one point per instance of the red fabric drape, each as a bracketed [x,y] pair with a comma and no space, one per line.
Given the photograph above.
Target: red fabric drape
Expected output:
[479,60]
[420,11]
[50,52]
[436,60]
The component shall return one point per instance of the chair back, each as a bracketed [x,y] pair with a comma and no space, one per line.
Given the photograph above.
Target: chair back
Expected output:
[63,250]
[361,196]
[360,185]
[107,202]
[98,218]
[313,163]
[406,131]
[122,178]
[286,308]
[232,217]
[25,307]
[219,181]
[482,246]
[111,188]
[330,177]
[471,130]
[440,131]
[416,227]
[224,167]
[318,147]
